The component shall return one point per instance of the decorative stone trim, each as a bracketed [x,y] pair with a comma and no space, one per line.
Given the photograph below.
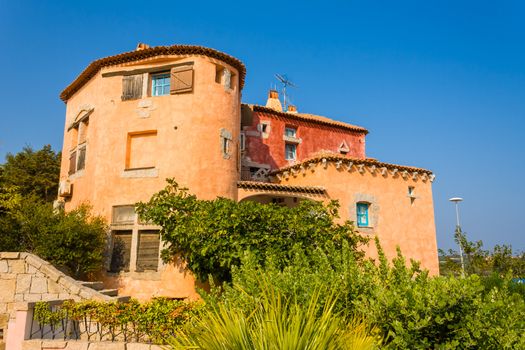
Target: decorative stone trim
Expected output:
[373,166]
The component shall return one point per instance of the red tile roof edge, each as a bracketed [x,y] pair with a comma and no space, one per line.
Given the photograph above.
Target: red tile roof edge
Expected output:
[309,118]
[336,158]
[279,187]
[131,56]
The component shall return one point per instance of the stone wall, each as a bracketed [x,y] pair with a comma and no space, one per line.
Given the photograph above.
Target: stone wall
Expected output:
[84,345]
[26,278]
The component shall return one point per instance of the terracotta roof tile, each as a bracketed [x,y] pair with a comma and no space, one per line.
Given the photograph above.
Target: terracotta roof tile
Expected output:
[131,56]
[254,185]
[309,118]
[332,157]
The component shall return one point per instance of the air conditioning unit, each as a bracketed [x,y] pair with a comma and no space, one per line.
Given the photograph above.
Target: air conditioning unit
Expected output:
[65,188]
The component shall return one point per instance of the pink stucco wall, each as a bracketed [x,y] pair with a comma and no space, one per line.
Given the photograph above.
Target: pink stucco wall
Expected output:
[315,138]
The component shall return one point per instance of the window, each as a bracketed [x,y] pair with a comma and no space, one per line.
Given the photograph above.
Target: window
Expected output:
[290,132]
[362,214]
[77,154]
[290,150]
[141,150]
[243,141]
[224,76]
[123,215]
[160,84]
[121,253]
[148,250]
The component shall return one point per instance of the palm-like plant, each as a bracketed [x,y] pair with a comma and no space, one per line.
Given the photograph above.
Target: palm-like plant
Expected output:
[275,323]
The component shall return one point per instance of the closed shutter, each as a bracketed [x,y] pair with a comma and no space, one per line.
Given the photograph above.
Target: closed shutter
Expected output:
[131,87]
[72,162]
[121,251]
[181,80]
[148,252]
[81,164]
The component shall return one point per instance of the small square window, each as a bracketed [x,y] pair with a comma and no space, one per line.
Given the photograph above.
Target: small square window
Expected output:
[290,132]
[362,214]
[290,151]
[160,84]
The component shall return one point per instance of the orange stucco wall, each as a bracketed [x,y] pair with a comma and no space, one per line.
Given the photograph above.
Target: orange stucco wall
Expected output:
[395,218]
[187,147]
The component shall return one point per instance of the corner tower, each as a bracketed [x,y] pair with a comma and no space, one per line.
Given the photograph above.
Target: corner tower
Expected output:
[137,118]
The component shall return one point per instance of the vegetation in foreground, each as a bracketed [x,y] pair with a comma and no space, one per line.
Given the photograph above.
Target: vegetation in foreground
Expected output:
[73,241]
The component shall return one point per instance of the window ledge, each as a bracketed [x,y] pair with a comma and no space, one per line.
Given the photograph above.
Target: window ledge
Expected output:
[140,173]
[365,229]
[292,139]
[77,174]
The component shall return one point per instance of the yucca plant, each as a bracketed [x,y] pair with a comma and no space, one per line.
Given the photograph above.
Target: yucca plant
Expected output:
[275,323]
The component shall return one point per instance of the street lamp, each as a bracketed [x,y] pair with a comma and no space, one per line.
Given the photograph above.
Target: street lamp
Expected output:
[456,201]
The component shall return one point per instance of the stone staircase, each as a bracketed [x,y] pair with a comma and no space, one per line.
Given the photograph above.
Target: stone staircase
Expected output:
[99,287]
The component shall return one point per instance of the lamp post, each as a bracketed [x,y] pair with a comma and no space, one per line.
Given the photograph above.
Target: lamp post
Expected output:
[456,201]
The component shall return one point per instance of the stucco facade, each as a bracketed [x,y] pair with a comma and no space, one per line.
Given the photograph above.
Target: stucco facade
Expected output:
[135,119]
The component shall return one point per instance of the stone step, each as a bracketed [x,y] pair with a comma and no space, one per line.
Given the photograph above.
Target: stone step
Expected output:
[93,285]
[109,292]
[122,298]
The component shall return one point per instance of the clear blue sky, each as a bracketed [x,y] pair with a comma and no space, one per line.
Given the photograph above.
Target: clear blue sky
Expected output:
[440,84]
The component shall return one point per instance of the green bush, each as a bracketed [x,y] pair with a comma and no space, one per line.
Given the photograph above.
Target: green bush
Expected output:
[73,241]
[152,321]
[212,236]
[412,310]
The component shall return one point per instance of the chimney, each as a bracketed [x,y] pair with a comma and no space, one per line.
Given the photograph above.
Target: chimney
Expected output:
[292,109]
[142,46]
[273,101]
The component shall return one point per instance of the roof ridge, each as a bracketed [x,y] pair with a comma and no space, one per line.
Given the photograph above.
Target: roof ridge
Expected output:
[308,117]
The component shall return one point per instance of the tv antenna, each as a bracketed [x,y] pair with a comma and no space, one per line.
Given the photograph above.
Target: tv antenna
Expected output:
[286,82]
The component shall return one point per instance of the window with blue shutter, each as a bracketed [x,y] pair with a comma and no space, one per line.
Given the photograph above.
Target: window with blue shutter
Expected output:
[362,214]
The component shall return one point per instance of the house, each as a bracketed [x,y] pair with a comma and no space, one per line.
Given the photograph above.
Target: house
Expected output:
[137,118]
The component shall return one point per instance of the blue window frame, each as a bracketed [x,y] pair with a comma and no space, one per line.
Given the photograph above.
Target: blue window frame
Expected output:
[362,214]
[290,132]
[160,84]
[290,151]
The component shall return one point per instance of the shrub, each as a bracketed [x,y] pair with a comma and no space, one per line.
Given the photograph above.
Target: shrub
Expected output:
[411,309]
[275,322]
[152,321]
[212,236]
[73,241]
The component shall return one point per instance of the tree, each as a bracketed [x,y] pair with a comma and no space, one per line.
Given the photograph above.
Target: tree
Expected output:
[211,236]
[501,260]
[32,172]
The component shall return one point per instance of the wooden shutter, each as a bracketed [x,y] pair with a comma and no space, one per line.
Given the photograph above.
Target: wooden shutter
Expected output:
[181,80]
[131,87]
[81,163]
[72,162]
[148,252]
[121,251]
